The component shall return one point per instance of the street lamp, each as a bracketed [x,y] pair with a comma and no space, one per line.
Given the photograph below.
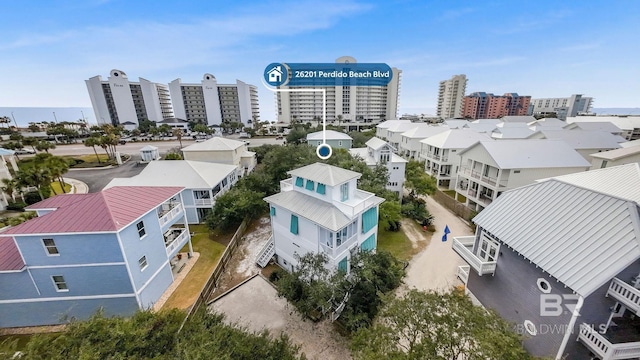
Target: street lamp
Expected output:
[14,119]
[55,118]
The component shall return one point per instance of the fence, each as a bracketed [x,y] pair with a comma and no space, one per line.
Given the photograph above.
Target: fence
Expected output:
[452,204]
[217,272]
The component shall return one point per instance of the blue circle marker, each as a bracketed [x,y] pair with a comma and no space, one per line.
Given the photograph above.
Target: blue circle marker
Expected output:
[324,151]
[275,74]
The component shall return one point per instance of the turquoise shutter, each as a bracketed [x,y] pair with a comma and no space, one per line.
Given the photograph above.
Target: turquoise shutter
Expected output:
[342,265]
[272,212]
[369,219]
[299,181]
[310,185]
[369,244]
[320,189]
[294,224]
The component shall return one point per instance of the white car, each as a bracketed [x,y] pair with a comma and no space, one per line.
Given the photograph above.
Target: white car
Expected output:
[24,152]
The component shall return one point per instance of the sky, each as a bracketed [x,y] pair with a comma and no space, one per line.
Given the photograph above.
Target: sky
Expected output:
[538,48]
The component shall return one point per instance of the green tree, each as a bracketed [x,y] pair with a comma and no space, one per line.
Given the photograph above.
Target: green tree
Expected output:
[92,142]
[297,135]
[417,181]
[45,146]
[164,129]
[36,176]
[9,187]
[361,137]
[145,125]
[202,129]
[34,127]
[57,167]
[431,325]
[30,141]
[235,205]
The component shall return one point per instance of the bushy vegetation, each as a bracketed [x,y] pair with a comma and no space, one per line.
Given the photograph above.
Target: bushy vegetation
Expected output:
[149,335]
[315,290]
[415,208]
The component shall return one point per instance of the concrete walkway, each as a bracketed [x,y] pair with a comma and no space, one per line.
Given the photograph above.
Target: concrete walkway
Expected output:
[77,186]
[435,267]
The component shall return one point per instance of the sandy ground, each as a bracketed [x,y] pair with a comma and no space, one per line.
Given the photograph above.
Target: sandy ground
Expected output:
[251,246]
[435,267]
[255,305]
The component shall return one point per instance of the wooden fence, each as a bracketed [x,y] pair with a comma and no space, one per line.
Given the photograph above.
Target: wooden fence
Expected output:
[452,204]
[218,271]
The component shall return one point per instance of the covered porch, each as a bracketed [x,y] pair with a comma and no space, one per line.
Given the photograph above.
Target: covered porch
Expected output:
[463,245]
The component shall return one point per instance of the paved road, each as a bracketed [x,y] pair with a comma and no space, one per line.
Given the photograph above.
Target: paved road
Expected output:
[133,148]
[97,179]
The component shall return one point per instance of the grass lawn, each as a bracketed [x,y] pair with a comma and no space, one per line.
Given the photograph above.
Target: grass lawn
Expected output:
[210,246]
[57,189]
[90,157]
[461,198]
[395,242]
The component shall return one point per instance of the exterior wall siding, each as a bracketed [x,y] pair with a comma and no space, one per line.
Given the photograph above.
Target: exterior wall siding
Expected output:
[58,312]
[73,249]
[156,286]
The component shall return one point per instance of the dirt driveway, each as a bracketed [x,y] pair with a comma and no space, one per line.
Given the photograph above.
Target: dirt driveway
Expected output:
[435,267]
[255,305]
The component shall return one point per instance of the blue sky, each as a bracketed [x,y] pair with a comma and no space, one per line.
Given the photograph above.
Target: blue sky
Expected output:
[537,48]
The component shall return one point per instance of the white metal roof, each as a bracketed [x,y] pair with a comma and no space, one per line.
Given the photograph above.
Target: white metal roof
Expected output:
[363,153]
[630,143]
[580,236]
[480,127]
[525,119]
[149,148]
[215,143]
[402,127]
[512,132]
[423,132]
[583,139]
[620,181]
[487,121]
[315,210]
[456,123]
[548,123]
[388,123]
[456,139]
[331,135]
[596,125]
[324,173]
[185,173]
[376,143]
[622,122]
[531,153]
[617,153]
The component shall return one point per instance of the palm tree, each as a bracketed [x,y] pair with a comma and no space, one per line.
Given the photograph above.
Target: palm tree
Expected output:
[44,145]
[29,141]
[57,167]
[93,141]
[178,134]
[36,176]
[9,187]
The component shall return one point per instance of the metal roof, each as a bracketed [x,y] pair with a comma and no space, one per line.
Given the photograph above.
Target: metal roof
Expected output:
[363,153]
[622,122]
[531,153]
[376,143]
[596,125]
[330,135]
[620,181]
[423,132]
[149,147]
[456,139]
[388,123]
[315,210]
[518,118]
[185,173]
[480,127]
[108,210]
[456,123]
[579,236]
[215,143]
[583,139]
[630,143]
[512,132]
[617,153]
[10,259]
[324,173]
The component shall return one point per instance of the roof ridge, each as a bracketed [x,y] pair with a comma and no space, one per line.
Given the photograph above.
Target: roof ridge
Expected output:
[114,222]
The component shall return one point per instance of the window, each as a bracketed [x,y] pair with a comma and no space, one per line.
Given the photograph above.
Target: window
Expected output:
[544,285]
[310,185]
[369,244]
[142,262]
[344,192]
[272,212]
[141,230]
[299,181]
[320,189]
[340,143]
[59,283]
[604,164]
[294,225]
[50,246]
[516,171]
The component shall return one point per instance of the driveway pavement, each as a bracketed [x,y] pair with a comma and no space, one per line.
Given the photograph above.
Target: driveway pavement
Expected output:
[97,179]
[435,267]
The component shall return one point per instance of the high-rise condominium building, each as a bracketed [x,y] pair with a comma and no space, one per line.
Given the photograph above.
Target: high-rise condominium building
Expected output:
[211,103]
[350,103]
[119,101]
[451,97]
[482,105]
[562,107]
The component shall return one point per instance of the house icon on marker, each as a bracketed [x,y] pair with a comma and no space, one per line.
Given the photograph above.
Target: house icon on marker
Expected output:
[275,74]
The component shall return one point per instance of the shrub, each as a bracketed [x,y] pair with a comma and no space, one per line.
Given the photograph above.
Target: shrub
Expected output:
[17,206]
[276,275]
[31,197]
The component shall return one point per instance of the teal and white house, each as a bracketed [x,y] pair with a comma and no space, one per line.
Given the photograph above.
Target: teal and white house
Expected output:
[115,250]
[335,139]
[321,210]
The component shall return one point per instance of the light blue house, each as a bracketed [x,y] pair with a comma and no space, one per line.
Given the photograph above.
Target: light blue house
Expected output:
[203,182]
[336,139]
[320,209]
[114,250]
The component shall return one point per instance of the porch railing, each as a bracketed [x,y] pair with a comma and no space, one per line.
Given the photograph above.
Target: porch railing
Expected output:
[604,349]
[463,245]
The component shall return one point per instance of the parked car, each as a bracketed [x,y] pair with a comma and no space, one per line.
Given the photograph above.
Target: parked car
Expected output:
[280,137]
[24,152]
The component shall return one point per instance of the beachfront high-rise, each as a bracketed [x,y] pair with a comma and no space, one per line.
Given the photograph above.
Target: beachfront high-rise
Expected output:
[349,103]
[211,103]
[119,101]
[482,105]
[451,97]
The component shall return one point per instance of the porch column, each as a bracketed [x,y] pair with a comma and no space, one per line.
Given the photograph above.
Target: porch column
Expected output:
[186,227]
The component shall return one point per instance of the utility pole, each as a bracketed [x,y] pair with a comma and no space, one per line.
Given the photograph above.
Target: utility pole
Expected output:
[14,120]
[55,118]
